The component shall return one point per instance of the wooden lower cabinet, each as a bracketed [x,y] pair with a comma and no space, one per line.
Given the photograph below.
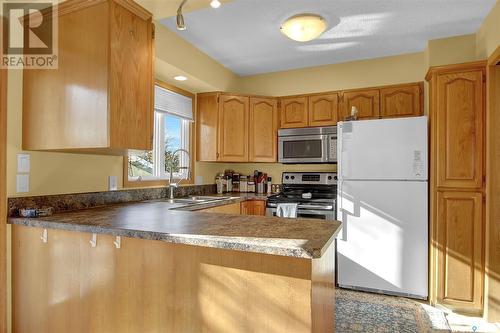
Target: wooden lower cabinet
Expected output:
[253,207]
[225,209]
[66,285]
[460,256]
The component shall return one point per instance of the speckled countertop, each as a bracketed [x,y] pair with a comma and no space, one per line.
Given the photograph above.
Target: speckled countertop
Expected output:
[180,223]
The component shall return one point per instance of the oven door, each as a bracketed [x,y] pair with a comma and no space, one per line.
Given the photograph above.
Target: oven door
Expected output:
[328,215]
[303,149]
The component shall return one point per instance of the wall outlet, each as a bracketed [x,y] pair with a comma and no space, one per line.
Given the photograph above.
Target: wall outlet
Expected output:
[23,163]
[112,183]
[22,183]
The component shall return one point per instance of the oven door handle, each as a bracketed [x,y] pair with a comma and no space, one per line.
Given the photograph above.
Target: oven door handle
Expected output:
[302,207]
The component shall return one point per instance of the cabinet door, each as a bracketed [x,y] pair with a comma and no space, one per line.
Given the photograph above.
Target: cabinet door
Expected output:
[131,90]
[294,112]
[233,128]
[206,127]
[460,108]
[366,101]
[225,209]
[259,207]
[402,101]
[263,130]
[460,259]
[323,110]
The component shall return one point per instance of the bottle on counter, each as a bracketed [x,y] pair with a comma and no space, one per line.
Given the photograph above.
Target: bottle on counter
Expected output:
[219,183]
[269,185]
[243,184]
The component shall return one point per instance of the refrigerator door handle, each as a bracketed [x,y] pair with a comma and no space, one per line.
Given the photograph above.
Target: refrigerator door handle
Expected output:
[341,212]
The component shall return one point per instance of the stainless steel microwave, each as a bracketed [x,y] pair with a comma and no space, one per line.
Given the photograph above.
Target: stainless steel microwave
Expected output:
[307,145]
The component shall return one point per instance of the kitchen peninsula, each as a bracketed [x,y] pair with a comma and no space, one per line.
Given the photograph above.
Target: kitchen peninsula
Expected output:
[160,266]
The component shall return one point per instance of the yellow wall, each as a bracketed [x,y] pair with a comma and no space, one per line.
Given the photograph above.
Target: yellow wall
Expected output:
[451,50]
[488,35]
[356,74]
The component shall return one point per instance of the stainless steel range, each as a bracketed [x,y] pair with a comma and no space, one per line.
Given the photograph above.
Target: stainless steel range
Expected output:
[314,192]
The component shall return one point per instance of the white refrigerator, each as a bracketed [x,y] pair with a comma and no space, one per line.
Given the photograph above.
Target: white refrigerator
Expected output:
[383,206]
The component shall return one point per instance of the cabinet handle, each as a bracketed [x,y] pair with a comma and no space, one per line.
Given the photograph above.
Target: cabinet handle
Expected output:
[93,241]
[45,236]
[118,242]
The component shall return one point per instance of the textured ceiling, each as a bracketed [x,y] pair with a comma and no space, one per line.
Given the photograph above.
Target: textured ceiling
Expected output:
[244,35]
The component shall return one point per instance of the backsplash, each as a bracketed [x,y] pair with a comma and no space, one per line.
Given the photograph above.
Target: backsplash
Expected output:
[68,202]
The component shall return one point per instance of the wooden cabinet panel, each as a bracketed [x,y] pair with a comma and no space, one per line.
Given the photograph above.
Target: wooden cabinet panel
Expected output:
[130,102]
[225,209]
[293,112]
[401,101]
[459,231]
[99,100]
[366,101]
[323,110]
[253,207]
[207,119]
[460,108]
[233,128]
[263,130]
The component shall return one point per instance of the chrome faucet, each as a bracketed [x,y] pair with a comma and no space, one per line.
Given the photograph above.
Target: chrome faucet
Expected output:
[171,184]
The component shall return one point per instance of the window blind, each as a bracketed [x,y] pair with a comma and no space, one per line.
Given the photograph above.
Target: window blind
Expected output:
[173,103]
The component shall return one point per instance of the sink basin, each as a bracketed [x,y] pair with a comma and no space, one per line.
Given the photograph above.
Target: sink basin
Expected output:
[198,199]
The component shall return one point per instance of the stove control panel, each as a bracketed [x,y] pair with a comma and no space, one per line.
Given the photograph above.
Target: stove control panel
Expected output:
[310,178]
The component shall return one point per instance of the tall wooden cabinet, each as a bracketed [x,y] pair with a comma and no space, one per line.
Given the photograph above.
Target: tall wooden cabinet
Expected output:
[457,107]
[233,128]
[236,128]
[263,130]
[100,99]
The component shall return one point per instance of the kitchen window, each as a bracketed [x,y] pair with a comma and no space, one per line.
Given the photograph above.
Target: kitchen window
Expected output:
[173,119]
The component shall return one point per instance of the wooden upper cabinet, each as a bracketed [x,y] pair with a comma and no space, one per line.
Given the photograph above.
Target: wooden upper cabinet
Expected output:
[233,128]
[294,112]
[263,130]
[459,99]
[460,261]
[323,110]
[100,99]
[402,101]
[207,122]
[366,101]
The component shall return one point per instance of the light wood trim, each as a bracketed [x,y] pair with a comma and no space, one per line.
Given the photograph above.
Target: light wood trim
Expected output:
[3,196]
[492,227]
[177,90]
[192,146]
[154,286]
[463,67]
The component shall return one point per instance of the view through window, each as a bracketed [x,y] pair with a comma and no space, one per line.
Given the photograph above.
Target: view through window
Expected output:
[172,118]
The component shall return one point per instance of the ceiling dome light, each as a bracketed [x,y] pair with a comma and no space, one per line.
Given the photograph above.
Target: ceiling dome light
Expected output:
[303,27]
[180,78]
[215,3]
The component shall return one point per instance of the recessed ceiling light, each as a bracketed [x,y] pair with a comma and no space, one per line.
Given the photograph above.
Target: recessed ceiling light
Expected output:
[215,3]
[303,27]
[180,78]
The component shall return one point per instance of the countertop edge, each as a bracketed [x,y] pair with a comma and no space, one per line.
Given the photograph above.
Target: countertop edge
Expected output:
[177,239]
